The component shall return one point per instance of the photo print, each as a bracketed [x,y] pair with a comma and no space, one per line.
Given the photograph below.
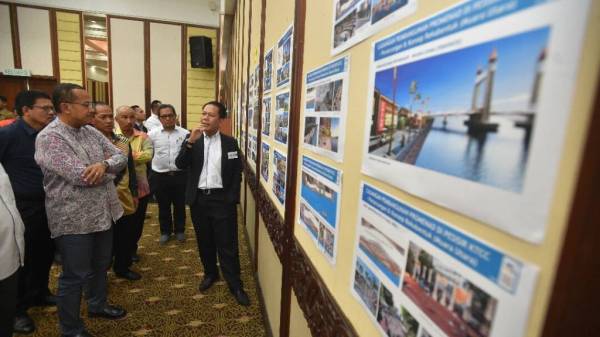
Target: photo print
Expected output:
[433,276]
[264,161]
[320,193]
[325,108]
[279,174]
[485,129]
[282,109]
[284,58]
[355,20]
[268,71]
[266,116]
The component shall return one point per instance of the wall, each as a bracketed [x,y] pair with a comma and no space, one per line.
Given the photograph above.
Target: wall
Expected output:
[6,49]
[201,83]
[68,31]
[146,58]
[126,50]
[34,28]
[165,63]
[186,11]
[336,277]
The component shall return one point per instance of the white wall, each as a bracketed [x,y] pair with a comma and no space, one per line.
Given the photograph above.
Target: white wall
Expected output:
[34,27]
[189,11]
[6,50]
[165,64]
[127,52]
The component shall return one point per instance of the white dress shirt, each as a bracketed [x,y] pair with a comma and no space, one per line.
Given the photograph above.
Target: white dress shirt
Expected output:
[166,148]
[12,245]
[210,177]
[152,122]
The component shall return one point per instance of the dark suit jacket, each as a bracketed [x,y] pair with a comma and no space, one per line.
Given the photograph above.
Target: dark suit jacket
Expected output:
[231,168]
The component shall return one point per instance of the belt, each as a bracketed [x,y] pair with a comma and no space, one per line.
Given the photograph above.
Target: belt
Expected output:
[209,191]
[171,173]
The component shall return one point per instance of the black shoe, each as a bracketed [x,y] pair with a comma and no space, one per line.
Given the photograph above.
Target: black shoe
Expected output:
[81,334]
[128,275]
[135,258]
[109,312]
[207,282]
[23,324]
[241,297]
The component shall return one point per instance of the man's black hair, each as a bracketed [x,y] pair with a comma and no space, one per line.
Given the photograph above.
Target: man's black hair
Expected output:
[222,108]
[63,93]
[164,106]
[27,98]
[3,99]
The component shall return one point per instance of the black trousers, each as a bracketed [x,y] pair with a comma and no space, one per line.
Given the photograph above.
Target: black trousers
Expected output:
[123,242]
[85,260]
[8,305]
[215,224]
[169,191]
[39,255]
[138,220]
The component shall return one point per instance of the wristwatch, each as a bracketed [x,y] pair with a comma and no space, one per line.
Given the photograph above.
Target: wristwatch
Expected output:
[188,144]
[106,164]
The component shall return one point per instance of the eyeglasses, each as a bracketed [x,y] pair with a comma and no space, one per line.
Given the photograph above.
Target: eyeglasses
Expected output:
[167,116]
[47,108]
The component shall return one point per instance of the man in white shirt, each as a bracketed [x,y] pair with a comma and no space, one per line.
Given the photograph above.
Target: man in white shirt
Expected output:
[12,253]
[153,121]
[167,181]
[213,192]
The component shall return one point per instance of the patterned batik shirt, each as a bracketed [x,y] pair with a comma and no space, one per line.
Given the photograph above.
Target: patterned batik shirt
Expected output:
[73,206]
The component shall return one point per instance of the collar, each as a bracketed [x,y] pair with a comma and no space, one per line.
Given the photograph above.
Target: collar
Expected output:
[217,134]
[28,129]
[67,126]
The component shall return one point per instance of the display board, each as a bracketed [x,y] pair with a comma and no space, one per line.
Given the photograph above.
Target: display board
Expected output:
[320,194]
[493,127]
[325,106]
[457,126]
[355,20]
[268,71]
[417,274]
[284,58]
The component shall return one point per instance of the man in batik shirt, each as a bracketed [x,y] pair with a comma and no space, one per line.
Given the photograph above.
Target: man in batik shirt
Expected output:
[79,166]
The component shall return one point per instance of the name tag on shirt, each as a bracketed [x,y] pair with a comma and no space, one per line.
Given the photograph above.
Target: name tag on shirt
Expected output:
[232,155]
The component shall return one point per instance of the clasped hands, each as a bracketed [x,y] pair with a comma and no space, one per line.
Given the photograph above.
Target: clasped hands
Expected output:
[94,173]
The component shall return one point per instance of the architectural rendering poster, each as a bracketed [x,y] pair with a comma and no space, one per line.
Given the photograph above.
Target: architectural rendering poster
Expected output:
[251,116]
[252,151]
[264,161]
[282,114]
[266,116]
[268,71]
[355,20]
[284,57]
[419,276]
[279,170]
[468,108]
[320,194]
[325,109]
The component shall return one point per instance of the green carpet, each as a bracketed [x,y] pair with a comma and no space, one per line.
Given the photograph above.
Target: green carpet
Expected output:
[166,301]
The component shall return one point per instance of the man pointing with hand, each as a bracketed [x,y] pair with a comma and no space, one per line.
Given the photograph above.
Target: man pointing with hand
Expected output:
[213,192]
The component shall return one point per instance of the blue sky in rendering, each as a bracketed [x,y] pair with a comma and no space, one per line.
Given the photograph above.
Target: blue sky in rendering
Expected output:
[448,79]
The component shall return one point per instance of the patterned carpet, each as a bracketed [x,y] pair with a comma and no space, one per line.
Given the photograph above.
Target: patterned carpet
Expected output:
[166,301]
